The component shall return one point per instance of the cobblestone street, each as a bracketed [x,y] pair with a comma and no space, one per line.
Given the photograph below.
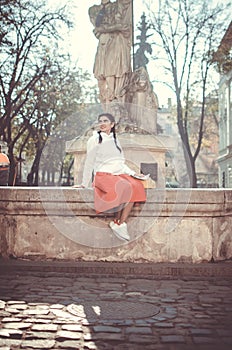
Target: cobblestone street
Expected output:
[90,306]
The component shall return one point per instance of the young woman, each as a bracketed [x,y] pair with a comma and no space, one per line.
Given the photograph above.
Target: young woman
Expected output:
[115,189]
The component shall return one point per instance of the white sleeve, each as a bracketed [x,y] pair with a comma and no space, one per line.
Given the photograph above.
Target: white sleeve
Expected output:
[89,161]
[128,171]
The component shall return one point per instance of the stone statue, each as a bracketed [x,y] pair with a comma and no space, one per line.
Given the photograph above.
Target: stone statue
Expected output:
[142,100]
[113,28]
[127,95]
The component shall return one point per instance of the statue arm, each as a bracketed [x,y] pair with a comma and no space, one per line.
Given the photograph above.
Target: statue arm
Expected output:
[123,28]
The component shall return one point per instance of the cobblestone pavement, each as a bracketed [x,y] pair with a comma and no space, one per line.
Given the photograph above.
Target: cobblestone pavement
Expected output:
[64,306]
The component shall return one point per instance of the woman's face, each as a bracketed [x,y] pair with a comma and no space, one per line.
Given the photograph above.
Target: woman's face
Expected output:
[105,124]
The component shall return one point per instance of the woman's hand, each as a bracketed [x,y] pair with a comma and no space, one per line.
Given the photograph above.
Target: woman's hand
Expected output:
[78,186]
[141,176]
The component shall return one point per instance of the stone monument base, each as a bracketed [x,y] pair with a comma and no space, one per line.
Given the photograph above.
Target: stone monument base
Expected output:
[174,225]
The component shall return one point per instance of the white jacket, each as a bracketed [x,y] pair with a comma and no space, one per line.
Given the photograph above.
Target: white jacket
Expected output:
[103,157]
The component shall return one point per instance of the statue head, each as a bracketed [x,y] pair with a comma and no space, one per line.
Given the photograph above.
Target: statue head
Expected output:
[124,2]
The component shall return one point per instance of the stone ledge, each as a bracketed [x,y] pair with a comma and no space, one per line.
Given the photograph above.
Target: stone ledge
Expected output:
[135,270]
[162,202]
[174,225]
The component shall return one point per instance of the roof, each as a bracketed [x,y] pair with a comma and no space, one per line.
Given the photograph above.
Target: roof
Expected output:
[225,45]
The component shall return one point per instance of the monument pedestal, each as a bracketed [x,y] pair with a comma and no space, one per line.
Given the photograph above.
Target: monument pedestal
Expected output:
[142,152]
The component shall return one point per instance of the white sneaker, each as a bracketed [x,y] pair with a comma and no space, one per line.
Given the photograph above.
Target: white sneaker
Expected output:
[120,230]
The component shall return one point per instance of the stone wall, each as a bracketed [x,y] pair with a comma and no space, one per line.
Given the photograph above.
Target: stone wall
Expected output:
[184,225]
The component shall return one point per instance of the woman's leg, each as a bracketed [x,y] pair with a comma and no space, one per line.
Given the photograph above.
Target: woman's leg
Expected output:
[118,212]
[125,212]
[118,215]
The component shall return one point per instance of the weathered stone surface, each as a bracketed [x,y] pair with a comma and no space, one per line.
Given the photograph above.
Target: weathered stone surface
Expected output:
[222,238]
[11,319]
[39,335]
[15,343]
[56,306]
[69,344]
[39,320]
[10,333]
[17,302]
[106,329]
[67,335]
[72,327]
[18,306]
[4,313]
[143,339]
[38,312]
[2,304]
[172,339]
[199,317]
[64,315]
[17,325]
[107,336]
[140,330]
[184,225]
[38,344]
[45,327]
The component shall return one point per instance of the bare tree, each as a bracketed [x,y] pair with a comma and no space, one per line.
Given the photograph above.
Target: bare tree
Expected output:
[26,35]
[188,32]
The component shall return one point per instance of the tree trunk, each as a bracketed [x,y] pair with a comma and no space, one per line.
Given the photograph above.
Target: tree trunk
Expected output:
[189,159]
[35,167]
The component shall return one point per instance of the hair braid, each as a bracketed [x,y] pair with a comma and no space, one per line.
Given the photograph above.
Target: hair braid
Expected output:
[99,137]
[115,139]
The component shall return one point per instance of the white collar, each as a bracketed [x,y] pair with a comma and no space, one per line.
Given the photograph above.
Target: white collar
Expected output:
[103,134]
[106,136]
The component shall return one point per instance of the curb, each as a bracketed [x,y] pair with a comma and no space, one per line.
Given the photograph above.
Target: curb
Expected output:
[119,269]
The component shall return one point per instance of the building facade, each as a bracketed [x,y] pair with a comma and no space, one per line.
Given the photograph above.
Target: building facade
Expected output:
[223,58]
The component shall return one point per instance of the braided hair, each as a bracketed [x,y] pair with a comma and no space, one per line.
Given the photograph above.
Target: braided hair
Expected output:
[112,119]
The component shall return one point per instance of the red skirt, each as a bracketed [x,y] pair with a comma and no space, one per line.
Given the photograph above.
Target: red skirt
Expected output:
[111,191]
